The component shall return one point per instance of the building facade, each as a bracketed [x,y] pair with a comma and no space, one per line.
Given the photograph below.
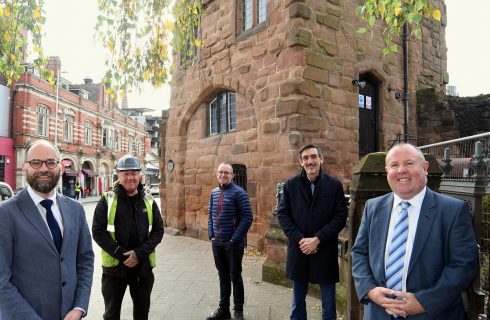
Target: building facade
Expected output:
[273,75]
[83,121]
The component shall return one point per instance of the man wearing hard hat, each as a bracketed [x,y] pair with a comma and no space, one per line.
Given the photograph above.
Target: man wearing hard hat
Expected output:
[127,226]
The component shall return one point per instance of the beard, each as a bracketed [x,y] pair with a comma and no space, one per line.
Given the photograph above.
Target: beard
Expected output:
[43,187]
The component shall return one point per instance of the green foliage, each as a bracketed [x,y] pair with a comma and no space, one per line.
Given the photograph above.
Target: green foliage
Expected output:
[16,18]
[486,203]
[185,41]
[137,36]
[394,14]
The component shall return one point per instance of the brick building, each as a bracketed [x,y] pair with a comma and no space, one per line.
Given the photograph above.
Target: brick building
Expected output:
[276,74]
[88,127]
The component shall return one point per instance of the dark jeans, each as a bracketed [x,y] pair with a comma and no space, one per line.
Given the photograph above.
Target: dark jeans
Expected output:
[300,289]
[228,260]
[113,289]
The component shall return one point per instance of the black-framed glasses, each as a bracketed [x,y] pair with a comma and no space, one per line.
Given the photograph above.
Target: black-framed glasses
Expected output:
[36,163]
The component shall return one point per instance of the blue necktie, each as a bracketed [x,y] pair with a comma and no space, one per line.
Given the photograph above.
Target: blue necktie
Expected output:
[396,253]
[52,223]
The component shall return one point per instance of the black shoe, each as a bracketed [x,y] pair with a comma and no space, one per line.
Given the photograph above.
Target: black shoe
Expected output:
[220,315]
[238,315]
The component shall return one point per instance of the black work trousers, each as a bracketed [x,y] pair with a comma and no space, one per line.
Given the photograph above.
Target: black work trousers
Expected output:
[228,260]
[113,289]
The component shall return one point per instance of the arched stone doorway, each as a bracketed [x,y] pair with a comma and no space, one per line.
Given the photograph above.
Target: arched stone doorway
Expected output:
[68,177]
[88,179]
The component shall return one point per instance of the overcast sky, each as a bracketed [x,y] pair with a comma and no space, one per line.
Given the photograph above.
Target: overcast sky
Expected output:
[70,25]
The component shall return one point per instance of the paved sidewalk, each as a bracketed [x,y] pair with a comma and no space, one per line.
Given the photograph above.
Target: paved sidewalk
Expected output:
[187,286]
[90,199]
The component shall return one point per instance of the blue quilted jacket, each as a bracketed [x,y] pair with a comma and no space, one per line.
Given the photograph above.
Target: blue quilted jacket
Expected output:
[229,213]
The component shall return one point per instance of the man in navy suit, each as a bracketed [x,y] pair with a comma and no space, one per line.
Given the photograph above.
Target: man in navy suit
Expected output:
[46,257]
[440,255]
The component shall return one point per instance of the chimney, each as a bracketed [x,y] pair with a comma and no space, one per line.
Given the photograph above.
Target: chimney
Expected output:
[88,80]
[54,63]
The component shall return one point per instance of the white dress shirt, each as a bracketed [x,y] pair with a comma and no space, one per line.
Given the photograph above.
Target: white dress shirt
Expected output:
[413,219]
[56,210]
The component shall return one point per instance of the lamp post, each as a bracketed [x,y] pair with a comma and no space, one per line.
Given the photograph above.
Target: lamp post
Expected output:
[57,106]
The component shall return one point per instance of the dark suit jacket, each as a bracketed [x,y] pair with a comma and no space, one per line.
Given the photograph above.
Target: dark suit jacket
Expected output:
[444,258]
[37,282]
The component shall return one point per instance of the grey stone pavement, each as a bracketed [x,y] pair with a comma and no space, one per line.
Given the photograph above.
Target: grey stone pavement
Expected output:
[187,285]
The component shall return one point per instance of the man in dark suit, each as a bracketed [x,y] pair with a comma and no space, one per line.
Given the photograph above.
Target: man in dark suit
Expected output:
[312,212]
[415,252]
[46,257]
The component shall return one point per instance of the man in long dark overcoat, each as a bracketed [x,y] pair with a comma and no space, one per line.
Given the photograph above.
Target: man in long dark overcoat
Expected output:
[312,212]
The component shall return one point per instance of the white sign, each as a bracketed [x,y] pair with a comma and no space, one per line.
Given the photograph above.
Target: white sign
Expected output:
[368,102]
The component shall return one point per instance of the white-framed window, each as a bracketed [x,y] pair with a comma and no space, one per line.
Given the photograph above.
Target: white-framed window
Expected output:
[251,13]
[68,127]
[107,138]
[88,132]
[130,144]
[139,150]
[222,113]
[117,140]
[42,121]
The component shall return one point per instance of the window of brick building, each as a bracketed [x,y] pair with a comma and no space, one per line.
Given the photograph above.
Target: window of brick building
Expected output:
[42,127]
[117,141]
[139,149]
[68,128]
[250,14]
[130,144]
[88,131]
[107,137]
[222,113]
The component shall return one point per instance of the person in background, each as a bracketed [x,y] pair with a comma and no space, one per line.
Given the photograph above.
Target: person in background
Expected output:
[77,190]
[415,252]
[229,218]
[46,257]
[127,225]
[312,212]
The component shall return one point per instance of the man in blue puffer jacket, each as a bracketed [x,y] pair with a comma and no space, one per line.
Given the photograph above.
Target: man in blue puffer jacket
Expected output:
[229,218]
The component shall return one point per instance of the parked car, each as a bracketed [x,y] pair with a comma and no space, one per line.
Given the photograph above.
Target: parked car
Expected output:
[155,190]
[6,191]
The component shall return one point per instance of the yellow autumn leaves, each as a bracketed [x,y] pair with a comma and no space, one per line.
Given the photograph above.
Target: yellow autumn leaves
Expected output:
[394,14]
[16,19]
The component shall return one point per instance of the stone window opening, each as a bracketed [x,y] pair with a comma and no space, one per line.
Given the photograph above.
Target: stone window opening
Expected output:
[240,178]
[222,113]
[250,15]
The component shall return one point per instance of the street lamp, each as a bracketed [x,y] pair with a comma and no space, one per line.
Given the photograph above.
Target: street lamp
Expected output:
[57,106]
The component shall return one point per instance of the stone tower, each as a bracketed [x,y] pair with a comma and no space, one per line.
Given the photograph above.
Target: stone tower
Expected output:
[273,76]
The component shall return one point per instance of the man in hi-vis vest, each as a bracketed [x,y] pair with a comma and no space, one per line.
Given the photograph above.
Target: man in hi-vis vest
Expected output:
[127,226]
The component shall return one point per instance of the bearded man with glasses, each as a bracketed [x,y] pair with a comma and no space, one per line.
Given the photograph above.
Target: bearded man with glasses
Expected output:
[46,257]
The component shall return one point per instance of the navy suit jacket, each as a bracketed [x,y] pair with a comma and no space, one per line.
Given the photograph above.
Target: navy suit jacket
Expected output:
[444,258]
[37,282]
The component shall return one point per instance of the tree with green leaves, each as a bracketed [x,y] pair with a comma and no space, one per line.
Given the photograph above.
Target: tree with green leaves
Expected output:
[17,18]
[138,35]
[393,14]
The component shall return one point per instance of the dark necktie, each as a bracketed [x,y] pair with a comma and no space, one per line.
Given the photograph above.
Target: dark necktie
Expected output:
[53,224]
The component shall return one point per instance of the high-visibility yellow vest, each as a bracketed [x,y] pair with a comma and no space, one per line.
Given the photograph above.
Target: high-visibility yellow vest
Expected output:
[111,198]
